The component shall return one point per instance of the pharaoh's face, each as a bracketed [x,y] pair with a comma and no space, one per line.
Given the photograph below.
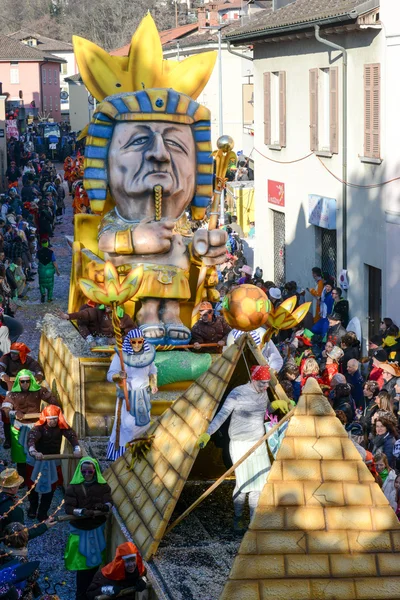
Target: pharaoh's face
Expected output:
[143,155]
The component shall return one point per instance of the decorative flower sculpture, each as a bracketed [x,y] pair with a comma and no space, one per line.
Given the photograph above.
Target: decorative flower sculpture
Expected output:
[284,317]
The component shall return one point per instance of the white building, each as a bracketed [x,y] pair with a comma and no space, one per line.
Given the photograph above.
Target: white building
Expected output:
[61,49]
[305,215]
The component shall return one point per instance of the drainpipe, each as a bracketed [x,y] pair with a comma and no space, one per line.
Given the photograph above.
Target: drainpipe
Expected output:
[344,139]
[237,53]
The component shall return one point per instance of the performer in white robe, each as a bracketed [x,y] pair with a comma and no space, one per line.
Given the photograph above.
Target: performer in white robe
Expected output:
[141,378]
[247,405]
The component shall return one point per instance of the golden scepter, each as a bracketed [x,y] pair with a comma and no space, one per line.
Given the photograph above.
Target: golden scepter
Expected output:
[114,293]
[225,145]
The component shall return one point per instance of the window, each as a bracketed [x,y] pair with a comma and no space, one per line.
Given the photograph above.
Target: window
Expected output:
[372,110]
[51,102]
[56,105]
[49,79]
[275,109]
[44,102]
[55,76]
[44,75]
[324,110]
[64,68]
[14,72]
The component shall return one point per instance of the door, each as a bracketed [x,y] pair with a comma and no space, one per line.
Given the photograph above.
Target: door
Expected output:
[374,300]
[279,247]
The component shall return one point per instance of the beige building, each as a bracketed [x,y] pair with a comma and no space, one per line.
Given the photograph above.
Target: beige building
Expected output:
[311,135]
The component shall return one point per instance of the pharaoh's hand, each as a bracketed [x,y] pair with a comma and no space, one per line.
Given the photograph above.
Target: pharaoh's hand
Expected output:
[153,237]
[210,246]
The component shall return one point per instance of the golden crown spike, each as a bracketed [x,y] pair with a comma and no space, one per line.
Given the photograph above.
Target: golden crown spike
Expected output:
[143,68]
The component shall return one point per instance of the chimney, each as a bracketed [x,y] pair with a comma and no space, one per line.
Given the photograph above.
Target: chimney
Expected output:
[276,4]
[208,15]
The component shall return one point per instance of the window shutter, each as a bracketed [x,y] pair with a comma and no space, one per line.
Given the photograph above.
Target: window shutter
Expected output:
[376,110]
[367,110]
[313,109]
[333,110]
[267,109]
[282,108]
[372,110]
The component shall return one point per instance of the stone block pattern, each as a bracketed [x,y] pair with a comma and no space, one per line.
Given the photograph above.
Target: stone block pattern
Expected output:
[323,529]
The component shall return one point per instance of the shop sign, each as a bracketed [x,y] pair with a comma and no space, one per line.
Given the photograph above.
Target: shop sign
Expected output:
[276,192]
[322,211]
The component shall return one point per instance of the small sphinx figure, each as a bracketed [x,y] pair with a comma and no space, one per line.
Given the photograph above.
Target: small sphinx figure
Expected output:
[148,161]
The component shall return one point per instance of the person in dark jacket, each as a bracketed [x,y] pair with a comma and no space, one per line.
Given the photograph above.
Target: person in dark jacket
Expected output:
[341,400]
[87,492]
[341,306]
[336,330]
[10,482]
[371,391]
[355,379]
[351,349]
[95,324]
[44,438]
[384,435]
[391,372]
[126,571]
[47,268]
[209,328]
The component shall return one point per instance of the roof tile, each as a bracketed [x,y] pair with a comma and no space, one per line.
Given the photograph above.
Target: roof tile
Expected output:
[12,50]
[299,12]
[45,44]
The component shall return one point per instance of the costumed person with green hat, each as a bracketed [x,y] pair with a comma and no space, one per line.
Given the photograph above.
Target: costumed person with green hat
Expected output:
[141,377]
[22,406]
[87,492]
[47,266]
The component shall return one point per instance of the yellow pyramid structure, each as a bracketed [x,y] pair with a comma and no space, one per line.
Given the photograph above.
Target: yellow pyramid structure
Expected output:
[323,529]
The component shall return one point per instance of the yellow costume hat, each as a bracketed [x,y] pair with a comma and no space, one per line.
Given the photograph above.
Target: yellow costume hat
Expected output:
[148,88]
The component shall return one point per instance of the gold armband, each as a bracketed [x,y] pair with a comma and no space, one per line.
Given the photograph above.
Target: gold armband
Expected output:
[123,242]
[153,380]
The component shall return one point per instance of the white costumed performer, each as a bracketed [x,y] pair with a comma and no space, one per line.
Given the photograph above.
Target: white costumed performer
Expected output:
[141,376]
[247,405]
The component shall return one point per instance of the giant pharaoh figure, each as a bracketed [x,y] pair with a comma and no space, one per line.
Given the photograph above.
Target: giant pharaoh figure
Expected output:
[147,161]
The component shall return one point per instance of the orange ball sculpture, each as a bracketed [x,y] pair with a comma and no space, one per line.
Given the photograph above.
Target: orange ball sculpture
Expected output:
[246,307]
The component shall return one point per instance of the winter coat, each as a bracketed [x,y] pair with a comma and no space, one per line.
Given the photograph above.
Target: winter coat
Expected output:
[82,495]
[348,354]
[47,440]
[366,419]
[211,331]
[384,443]
[342,308]
[389,386]
[389,490]
[16,515]
[97,322]
[357,384]
[133,580]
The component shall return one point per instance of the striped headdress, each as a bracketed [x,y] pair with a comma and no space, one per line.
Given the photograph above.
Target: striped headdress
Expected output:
[135,334]
[147,105]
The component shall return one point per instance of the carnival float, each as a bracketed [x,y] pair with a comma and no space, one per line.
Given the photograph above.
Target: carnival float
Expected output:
[149,172]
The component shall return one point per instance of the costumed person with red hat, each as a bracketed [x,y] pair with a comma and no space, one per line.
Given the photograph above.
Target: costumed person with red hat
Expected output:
[141,378]
[126,571]
[44,438]
[10,365]
[209,328]
[247,405]
[87,492]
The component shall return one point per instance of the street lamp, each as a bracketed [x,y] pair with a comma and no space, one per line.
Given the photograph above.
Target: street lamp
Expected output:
[219,28]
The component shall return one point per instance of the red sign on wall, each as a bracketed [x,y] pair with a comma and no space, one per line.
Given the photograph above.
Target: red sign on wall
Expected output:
[276,192]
